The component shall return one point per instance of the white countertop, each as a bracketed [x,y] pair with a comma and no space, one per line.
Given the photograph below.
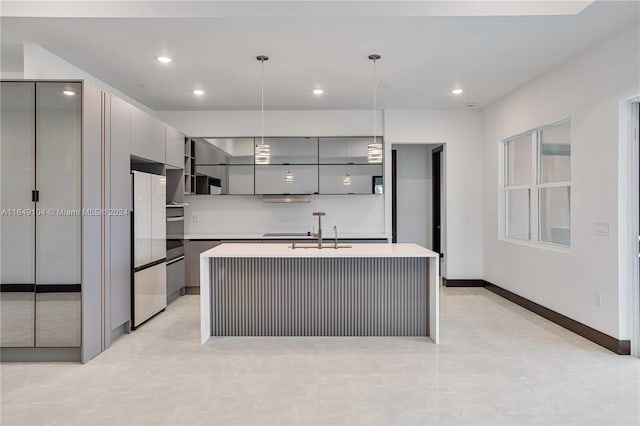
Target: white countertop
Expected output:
[285,250]
[262,237]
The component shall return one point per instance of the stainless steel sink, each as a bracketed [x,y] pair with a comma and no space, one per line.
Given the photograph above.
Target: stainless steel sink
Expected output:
[315,246]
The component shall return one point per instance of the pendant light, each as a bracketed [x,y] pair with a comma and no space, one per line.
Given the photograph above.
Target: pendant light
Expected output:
[288,177]
[262,150]
[374,149]
[346,179]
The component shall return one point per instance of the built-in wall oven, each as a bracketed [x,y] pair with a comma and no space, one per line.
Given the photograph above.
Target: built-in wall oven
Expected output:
[176,267]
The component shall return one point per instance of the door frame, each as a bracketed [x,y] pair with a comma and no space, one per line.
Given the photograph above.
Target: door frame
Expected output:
[629,220]
[394,199]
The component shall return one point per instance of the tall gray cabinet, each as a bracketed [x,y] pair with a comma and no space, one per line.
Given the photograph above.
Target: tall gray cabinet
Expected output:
[41,283]
[54,155]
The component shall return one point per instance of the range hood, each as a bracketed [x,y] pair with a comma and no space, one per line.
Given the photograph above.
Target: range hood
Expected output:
[286,198]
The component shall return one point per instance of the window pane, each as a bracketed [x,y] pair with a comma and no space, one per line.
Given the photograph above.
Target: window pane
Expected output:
[555,153]
[555,215]
[518,214]
[518,152]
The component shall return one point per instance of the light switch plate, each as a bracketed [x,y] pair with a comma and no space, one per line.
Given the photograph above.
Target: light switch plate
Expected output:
[601,229]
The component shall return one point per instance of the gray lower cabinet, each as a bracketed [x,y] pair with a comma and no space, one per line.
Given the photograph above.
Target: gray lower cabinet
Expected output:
[40,280]
[193,248]
[176,278]
[58,319]
[17,314]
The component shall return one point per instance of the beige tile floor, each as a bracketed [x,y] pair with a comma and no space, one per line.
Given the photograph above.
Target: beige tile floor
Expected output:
[497,364]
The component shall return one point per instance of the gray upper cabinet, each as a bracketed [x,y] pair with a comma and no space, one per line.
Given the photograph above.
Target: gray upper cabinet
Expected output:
[224,166]
[147,136]
[346,150]
[174,147]
[291,150]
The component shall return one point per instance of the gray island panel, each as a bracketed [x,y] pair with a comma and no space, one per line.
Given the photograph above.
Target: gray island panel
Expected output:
[319,296]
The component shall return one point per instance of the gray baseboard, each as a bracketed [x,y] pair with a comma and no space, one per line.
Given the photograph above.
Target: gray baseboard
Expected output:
[192,290]
[40,354]
[174,296]
[462,283]
[120,330]
[620,347]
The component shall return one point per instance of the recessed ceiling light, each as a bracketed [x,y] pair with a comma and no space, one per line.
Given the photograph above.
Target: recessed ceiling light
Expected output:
[318,91]
[198,92]
[164,59]
[69,92]
[457,91]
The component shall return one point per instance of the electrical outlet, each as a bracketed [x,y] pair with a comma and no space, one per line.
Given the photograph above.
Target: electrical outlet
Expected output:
[599,299]
[195,218]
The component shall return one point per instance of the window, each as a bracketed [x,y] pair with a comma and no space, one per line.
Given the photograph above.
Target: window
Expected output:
[537,185]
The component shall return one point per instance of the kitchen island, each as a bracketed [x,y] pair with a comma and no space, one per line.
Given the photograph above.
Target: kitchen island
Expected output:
[359,290]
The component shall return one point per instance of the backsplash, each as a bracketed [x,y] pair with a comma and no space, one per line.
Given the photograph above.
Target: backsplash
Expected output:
[238,215]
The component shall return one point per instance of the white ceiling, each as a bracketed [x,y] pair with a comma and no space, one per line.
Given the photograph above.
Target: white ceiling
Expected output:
[423,57]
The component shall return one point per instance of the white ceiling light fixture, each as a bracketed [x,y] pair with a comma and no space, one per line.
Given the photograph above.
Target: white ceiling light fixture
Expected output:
[198,92]
[68,92]
[288,177]
[164,59]
[318,91]
[263,150]
[374,149]
[457,91]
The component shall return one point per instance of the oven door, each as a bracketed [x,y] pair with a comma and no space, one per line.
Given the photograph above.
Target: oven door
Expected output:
[175,223]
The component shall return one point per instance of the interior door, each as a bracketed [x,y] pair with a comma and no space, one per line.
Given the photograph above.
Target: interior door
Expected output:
[17,224]
[436,168]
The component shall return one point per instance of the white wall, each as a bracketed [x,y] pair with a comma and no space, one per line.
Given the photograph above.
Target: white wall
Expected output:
[276,123]
[588,88]
[39,63]
[461,133]
[414,192]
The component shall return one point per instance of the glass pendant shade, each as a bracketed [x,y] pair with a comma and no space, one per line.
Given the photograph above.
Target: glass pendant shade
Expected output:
[288,177]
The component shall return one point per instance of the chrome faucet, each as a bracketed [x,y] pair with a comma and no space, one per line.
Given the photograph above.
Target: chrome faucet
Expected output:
[335,237]
[319,233]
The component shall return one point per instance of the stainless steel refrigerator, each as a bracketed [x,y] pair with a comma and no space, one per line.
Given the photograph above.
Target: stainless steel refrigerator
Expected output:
[149,292]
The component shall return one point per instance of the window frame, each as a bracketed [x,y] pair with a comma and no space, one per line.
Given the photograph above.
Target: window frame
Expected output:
[534,186]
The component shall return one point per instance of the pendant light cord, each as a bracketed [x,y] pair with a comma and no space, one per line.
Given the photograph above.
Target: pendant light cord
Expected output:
[375,127]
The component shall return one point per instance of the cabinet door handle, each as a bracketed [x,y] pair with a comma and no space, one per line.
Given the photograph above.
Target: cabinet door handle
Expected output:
[35,196]
[177,259]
